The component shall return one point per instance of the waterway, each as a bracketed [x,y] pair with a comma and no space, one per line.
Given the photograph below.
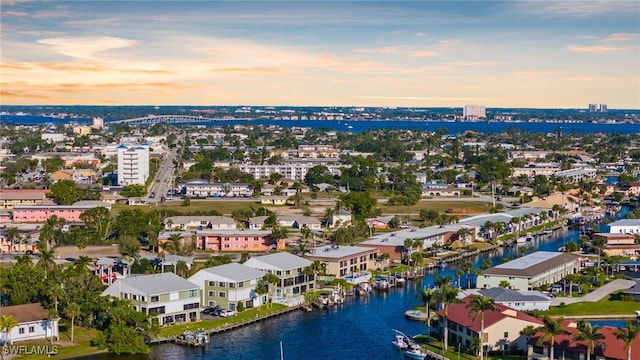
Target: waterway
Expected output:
[366,125]
[360,329]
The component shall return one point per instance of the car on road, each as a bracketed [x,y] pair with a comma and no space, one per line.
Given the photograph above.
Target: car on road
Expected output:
[227,313]
[152,195]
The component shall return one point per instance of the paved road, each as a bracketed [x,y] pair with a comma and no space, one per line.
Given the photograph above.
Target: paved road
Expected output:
[164,176]
[597,294]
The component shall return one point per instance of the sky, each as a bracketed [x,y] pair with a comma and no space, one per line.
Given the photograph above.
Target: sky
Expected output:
[512,53]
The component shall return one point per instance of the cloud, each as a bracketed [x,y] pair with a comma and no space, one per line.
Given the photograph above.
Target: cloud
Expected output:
[594,49]
[620,37]
[575,8]
[86,47]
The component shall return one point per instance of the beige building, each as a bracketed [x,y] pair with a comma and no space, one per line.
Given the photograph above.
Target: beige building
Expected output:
[11,198]
[501,328]
[344,260]
[531,271]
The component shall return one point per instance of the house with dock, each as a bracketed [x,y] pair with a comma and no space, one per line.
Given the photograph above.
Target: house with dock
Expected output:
[344,260]
[290,269]
[230,285]
[173,299]
[531,271]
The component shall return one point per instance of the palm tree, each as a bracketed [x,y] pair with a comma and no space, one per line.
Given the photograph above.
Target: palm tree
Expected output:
[628,335]
[272,281]
[459,272]
[52,314]
[72,311]
[441,281]
[478,306]
[82,262]
[550,330]
[468,269]
[176,242]
[446,295]
[463,234]
[590,335]
[427,296]
[529,331]
[46,261]
[7,323]
[383,259]
[23,259]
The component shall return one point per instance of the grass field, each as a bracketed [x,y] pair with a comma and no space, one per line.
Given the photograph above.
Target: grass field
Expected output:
[66,349]
[611,305]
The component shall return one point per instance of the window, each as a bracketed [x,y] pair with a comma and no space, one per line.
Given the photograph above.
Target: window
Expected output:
[21,330]
[232,285]
[155,299]
[126,296]
[222,284]
[240,284]
[212,283]
[134,297]
[191,306]
[506,334]
[193,293]
[222,294]
[212,293]
[157,310]
[143,298]
[32,329]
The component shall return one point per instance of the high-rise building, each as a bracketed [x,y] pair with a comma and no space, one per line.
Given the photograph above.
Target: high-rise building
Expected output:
[133,164]
[603,108]
[593,108]
[474,112]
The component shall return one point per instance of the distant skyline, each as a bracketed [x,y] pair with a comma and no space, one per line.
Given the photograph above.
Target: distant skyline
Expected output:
[535,54]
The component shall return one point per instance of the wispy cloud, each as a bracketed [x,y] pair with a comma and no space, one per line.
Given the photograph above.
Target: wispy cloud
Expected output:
[595,49]
[621,37]
[86,47]
[574,8]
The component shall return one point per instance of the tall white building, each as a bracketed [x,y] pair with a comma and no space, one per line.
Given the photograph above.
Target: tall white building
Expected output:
[474,112]
[133,164]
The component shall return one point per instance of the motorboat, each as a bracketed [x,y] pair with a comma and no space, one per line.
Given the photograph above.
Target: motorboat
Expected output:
[521,240]
[400,342]
[415,351]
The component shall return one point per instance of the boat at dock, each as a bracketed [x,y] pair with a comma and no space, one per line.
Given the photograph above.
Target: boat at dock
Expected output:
[401,341]
[358,278]
[192,338]
[415,351]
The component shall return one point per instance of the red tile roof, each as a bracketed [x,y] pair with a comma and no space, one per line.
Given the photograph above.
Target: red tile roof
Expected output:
[614,347]
[459,313]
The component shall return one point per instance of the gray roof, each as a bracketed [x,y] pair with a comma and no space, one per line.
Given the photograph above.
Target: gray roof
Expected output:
[634,290]
[480,220]
[532,265]
[278,261]
[208,219]
[257,219]
[154,284]
[336,252]
[525,211]
[233,232]
[234,272]
[170,259]
[509,295]
[626,222]
[397,238]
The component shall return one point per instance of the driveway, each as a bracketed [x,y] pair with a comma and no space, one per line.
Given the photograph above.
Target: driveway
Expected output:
[597,294]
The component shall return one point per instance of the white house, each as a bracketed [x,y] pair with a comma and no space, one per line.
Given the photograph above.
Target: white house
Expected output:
[229,285]
[523,300]
[32,323]
[625,226]
[172,298]
[196,222]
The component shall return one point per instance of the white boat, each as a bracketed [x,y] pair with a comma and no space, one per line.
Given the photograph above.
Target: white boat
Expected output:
[399,342]
[415,352]
[547,232]
[358,278]
[521,240]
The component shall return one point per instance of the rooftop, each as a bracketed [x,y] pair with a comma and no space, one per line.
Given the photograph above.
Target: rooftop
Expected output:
[26,312]
[278,261]
[532,264]
[235,272]
[337,252]
[154,284]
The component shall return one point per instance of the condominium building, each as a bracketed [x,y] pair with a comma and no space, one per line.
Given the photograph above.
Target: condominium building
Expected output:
[133,164]
[474,112]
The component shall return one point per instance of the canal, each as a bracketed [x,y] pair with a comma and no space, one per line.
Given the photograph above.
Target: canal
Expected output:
[359,329]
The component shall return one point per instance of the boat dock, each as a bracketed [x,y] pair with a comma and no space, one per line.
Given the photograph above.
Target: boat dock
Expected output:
[178,339]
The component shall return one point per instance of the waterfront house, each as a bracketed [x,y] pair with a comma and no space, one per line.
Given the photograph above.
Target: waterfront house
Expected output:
[625,226]
[290,269]
[172,298]
[568,348]
[619,244]
[199,222]
[237,240]
[530,271]
[229,285]
[521,300]
[33,323]
[501,328]
[344,260]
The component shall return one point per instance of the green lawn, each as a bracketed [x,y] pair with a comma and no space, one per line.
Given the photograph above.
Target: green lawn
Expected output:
[224,206]
[80,346]
[220,322]
[440,206]
[611,305]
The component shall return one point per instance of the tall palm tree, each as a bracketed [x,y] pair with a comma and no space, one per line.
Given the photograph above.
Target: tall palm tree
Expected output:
[272,281]
[441,281]
[46,261]
[589,334]
[427,297]
[176,242]
[459,272]
[478,306]
[72,311]
[550,330]
[82,262]
[628,335]
[7,323]
[23,259]
[468,269]
[446,295]
[464,233]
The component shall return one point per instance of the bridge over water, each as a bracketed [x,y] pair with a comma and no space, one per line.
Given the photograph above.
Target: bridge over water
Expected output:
[172,119]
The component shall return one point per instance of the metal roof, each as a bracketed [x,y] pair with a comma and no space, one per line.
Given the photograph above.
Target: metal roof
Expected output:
[336,252]
[232,272]
[532,265]
[154,284]
[278,261]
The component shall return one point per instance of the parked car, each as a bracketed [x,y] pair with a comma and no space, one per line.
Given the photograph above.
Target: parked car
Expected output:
[211,310]
[227,313]
[152,195]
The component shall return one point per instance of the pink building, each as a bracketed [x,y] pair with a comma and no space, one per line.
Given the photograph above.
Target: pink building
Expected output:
[237,240]
[26,214]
